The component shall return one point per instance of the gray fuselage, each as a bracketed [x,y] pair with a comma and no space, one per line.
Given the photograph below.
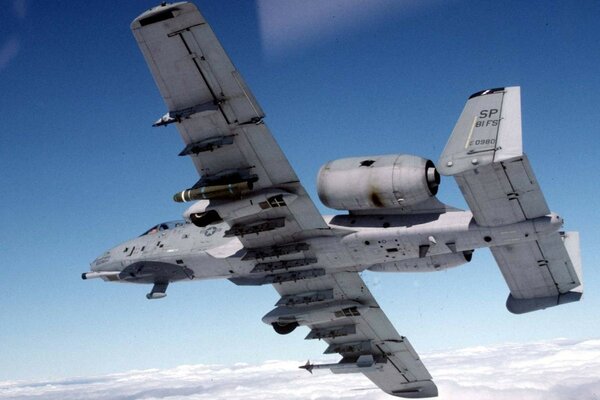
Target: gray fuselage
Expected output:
[393,243]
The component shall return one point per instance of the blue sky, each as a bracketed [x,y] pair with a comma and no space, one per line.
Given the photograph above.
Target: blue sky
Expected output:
[82,169]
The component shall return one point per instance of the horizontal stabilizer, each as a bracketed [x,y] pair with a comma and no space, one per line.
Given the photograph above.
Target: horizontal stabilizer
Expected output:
[543,273]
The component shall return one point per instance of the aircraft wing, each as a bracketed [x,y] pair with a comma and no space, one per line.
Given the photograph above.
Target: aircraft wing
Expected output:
[340,310]
[485,156]
[220,121]
[231,147]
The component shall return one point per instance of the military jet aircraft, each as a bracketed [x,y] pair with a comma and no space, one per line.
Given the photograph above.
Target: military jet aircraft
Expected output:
[253,223]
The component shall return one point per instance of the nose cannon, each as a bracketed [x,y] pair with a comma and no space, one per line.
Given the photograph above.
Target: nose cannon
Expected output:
[158,290]
[157,273]
[101,268]
[109,275]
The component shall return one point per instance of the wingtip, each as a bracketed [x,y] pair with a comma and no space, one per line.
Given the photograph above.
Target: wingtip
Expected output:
[417,390]
[487,91]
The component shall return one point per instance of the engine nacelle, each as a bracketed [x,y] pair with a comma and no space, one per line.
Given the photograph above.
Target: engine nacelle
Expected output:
[426,264]
[376,182]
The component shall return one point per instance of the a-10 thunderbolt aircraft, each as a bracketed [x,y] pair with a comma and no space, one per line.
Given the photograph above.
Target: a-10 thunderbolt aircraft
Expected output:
[254,224]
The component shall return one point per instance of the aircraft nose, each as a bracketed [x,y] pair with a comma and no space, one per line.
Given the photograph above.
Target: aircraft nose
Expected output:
[100,261]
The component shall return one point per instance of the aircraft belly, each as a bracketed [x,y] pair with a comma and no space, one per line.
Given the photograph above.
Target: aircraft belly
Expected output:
[380,243]
[207,267]
[405,237]
[389,239]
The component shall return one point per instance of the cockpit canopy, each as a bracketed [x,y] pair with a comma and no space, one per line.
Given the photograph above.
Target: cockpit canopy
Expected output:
[163,226]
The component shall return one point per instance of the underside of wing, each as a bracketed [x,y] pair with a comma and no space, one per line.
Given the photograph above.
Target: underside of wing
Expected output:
[246,181]
[214,111]
[339,309]
[244,175]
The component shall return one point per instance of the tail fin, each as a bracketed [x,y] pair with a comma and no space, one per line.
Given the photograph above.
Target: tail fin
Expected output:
[488,131]
[485,155]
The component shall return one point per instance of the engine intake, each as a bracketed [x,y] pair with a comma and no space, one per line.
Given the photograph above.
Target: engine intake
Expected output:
[389,181]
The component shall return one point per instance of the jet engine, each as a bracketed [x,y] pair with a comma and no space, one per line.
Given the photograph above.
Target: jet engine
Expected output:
[367,183]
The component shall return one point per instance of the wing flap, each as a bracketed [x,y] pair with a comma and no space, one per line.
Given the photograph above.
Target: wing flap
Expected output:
[220,75]
[190,66]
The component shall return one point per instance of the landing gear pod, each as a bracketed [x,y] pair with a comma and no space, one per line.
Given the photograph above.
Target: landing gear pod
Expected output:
[158,291]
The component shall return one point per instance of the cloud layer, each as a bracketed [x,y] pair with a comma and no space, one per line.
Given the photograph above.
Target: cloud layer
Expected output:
[11,46]
[8,51]
[557,369]
[287,25]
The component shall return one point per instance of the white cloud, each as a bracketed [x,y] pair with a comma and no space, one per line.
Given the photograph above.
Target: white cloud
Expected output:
[559,369]
[8,51]
[551,370]
[20,8]
[291,25]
